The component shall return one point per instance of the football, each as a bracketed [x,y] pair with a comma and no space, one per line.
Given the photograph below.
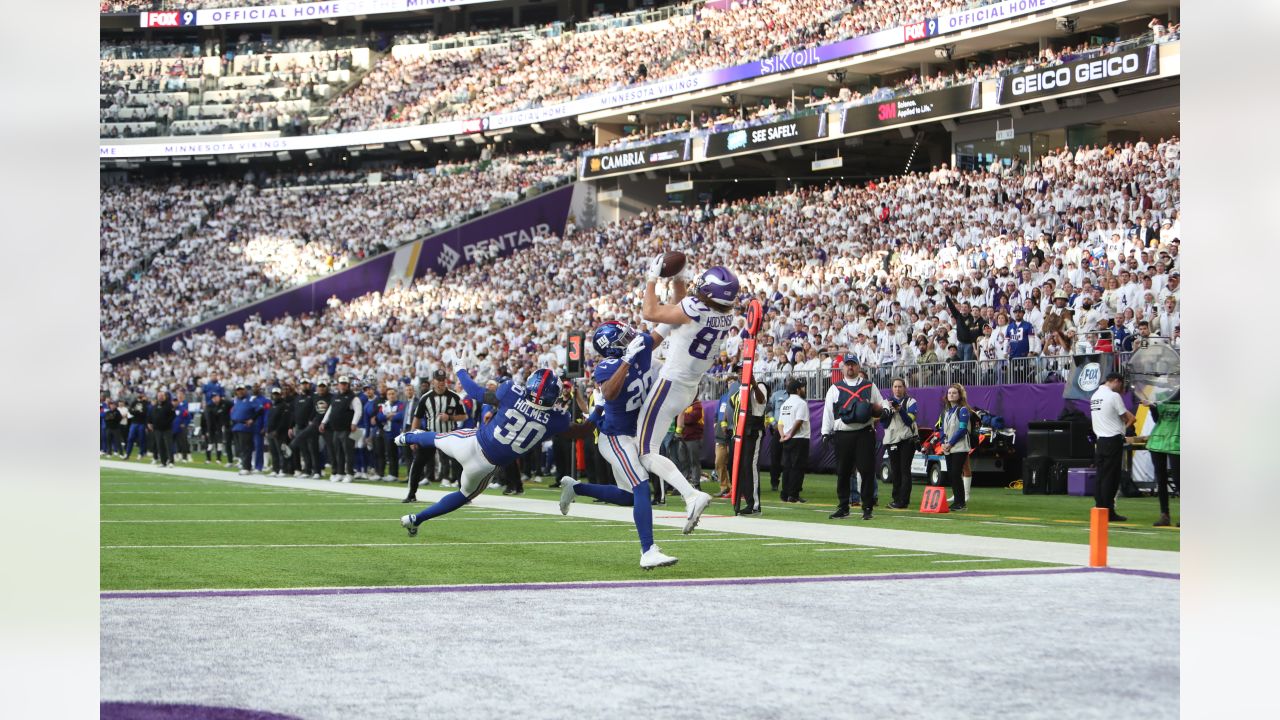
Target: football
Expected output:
[672,263]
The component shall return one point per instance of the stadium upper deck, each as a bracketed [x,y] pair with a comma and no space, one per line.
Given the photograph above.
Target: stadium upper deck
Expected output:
[521,79]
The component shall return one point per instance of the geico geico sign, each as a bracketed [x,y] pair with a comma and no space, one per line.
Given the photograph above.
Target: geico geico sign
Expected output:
[1067,76]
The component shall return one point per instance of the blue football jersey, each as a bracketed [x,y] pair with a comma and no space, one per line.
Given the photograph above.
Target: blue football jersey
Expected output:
[517,427]
[622,414]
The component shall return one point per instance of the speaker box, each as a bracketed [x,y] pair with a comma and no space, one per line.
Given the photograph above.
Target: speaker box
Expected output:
[1059,439]
[1036,470]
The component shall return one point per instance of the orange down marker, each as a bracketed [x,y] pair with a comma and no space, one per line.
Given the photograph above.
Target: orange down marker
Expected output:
[1098,537]
[934,500]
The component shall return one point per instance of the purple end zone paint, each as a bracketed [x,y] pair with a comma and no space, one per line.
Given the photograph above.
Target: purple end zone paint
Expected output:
[423,589]
[165,711]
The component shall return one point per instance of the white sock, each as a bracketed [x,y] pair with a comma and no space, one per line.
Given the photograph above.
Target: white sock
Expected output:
[668,473]
[968,480]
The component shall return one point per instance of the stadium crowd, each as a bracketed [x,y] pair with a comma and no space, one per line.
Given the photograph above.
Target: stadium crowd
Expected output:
[174,256]
[1081,249]
[774,109]
[530,72]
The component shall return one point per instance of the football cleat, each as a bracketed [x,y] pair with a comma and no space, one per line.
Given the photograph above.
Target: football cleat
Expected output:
[406,522]
[567,493]
[697,505]
[653,558]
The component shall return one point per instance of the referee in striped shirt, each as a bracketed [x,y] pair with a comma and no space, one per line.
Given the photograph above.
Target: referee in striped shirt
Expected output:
[440,410]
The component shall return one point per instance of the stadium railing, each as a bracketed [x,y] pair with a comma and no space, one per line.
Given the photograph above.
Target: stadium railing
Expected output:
[1011,371]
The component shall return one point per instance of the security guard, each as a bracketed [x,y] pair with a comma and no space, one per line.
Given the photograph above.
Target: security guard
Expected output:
[849,411]
[1110,418]
[342,419]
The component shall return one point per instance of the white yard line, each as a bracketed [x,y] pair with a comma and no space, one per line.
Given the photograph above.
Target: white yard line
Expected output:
[905,555]
[934,542]
[415,544]
[790,543]
[967,561]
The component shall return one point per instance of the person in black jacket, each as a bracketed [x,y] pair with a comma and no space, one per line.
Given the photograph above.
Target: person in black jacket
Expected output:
[115,428]
[305,435]
[213,423]
[968,327]
[160,425]
[340,422]
[278,419]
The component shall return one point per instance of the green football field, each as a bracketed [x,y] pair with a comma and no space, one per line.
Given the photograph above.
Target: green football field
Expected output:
[167,532]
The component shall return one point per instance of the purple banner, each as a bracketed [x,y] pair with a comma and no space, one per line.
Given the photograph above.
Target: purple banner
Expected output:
[496,235]
[1017,404]
[501,232]
[351,283]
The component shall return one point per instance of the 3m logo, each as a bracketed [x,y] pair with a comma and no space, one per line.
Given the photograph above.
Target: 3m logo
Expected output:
[887,111]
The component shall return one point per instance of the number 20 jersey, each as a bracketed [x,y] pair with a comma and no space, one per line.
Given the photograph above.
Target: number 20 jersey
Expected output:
[622,414]
[694,346]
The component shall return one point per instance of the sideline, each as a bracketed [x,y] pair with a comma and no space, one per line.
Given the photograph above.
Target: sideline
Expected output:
[1161,561]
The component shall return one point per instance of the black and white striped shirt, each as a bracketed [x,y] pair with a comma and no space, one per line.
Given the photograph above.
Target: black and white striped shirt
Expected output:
[429,406]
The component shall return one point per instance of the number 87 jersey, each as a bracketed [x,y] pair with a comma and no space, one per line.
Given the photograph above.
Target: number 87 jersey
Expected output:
[694,346]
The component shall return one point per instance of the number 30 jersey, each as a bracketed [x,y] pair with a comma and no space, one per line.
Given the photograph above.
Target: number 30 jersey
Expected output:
[694,346]
[622,414]
[518,425]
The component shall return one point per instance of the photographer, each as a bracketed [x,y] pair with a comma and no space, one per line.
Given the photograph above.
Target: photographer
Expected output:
[900,439]
[849,411]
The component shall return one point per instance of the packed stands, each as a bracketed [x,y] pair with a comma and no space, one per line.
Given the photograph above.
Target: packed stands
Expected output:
[772,111]
[172,257]
[531,67]
[843,269]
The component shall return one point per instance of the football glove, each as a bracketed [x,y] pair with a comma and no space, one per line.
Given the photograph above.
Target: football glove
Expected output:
[634,348]
[655,268]
[401,440]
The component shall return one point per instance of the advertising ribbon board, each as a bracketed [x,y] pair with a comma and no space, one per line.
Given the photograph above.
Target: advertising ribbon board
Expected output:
[762,137]
[1079,75]
[635,159]
[914,108]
